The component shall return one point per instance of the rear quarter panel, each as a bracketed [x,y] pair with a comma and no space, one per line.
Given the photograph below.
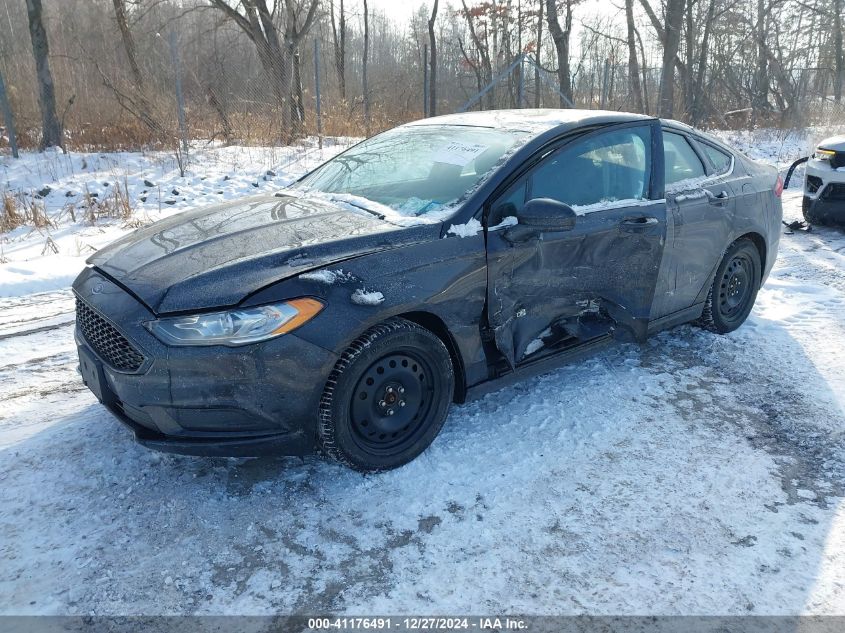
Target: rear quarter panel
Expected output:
[759,210]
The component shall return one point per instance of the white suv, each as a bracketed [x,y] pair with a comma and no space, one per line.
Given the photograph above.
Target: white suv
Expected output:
[824,186]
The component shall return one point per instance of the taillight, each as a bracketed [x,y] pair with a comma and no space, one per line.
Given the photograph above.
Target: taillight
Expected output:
[779,186]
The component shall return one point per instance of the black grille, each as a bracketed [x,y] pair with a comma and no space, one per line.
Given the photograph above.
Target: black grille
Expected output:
[837,160]
[834,191]
[110,345]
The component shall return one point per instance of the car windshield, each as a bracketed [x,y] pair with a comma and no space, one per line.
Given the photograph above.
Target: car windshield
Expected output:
[413,170]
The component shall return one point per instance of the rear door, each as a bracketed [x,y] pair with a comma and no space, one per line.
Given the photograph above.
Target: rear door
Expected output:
[701,202]
[548,289]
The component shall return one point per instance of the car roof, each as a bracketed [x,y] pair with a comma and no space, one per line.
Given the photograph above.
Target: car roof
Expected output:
[535,121]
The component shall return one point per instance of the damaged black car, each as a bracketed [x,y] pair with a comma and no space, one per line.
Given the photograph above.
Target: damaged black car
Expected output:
[423,266]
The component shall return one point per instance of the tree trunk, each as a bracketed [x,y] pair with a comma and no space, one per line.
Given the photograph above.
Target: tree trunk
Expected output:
[432,72]
[560,36]
[644,71]
[51,132]
[537,55]
[365,87]
[339,38]
[633,63]
[297,103]
[483,52]
[279,60]
[129,47]
[760,99]
[671,43]
[698,111]
[128,41]
[690,32]
[838,52]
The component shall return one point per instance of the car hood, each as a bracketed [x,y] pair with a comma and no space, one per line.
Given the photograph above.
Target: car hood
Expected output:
[836,143]
[215,256]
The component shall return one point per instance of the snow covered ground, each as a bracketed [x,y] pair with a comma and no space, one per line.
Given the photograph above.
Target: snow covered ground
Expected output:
[67,186]
[696,474]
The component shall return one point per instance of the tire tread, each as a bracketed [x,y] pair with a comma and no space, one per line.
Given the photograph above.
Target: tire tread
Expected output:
[325,427]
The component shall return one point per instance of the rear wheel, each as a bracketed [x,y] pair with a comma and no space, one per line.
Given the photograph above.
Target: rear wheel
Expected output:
[387,397]
[734,288]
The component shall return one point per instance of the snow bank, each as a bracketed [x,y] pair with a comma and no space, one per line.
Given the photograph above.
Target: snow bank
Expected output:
[63,184]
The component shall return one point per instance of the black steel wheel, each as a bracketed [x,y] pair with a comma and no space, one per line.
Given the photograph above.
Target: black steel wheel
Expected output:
[734,288]
[387,397]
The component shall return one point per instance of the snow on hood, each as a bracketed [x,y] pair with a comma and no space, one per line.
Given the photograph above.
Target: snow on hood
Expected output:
[836,143]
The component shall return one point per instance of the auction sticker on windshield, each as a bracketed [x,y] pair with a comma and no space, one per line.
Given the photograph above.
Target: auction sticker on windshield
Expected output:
[459,154]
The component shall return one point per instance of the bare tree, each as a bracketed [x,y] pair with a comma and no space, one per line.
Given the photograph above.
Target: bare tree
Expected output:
[674,16]
[538,54]
[143,105]
[278,52]
[838,9]
[339,40]
[51,131]
[365,86]
[760,98]
[486,74]
[432,71]
[560,36]
[633,63]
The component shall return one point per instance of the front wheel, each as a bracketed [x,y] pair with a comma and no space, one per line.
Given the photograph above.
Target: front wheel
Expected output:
[387,397]
[734,288]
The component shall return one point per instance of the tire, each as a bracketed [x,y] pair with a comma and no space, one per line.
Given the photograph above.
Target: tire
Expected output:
[806,211]
[734,288]
[386,398]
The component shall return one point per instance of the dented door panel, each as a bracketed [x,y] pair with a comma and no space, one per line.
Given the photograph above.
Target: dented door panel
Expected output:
[595,279]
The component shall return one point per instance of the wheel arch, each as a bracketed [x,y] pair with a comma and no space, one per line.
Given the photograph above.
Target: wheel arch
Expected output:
[438,327]
[760,243]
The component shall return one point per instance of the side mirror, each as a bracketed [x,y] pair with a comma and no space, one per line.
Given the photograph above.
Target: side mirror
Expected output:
[546,214]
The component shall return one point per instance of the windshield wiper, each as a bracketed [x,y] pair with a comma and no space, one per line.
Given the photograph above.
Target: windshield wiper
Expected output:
[380,216]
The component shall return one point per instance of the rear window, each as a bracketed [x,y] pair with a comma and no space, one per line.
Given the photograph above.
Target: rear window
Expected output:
[721,160]
[681,161]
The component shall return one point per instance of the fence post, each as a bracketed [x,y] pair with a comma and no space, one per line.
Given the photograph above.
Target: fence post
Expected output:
[521,83]
[317,92]
[8,117]
[180,98]
[425,80]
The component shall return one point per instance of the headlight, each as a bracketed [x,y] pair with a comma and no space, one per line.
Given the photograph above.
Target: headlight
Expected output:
[235,327]
[823,154]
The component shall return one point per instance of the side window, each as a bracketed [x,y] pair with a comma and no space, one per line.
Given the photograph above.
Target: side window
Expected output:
[509,203]
[680,160]
[721,160]
[602,168]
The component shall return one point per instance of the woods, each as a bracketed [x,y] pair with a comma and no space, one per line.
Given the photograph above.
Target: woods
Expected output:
[99,73]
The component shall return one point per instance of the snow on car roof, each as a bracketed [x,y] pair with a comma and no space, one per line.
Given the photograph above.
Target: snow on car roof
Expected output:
[532,120]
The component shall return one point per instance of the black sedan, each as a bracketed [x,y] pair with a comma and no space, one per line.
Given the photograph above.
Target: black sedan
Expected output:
[421,267]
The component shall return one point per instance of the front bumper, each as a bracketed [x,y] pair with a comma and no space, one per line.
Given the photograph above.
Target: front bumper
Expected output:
[824,193]
[220,401]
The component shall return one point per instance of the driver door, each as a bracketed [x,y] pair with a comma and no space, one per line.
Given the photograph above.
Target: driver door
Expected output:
[549,289]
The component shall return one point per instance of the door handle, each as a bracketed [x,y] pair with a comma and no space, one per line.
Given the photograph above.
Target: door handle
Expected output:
[717,199]
[640,221]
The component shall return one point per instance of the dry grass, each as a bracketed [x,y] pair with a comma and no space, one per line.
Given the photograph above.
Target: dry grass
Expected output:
[18,210]
[117,205]
[11,218]
[258,127]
